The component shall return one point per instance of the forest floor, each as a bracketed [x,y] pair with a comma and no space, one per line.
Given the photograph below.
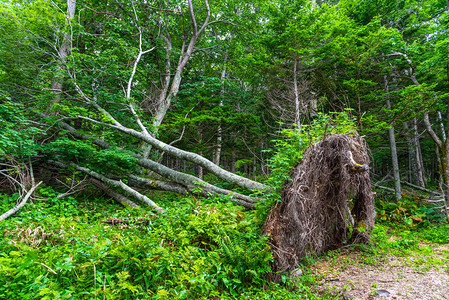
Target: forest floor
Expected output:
[419,273]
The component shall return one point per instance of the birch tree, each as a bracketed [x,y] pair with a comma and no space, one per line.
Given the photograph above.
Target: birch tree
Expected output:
[122,87]
[394,154]
[63,51]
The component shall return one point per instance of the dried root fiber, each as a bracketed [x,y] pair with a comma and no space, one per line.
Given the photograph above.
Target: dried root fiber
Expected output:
[314,214]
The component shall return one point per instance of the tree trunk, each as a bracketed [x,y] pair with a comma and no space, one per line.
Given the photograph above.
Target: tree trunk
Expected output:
[63,52]
[170,82]
[171,89]
[118,183]
[297,101]
[411,155]
[417,175]
[217,155]
[182,183]
[394,155]
[111,193]
[421,175]
[181,154]
[200,169]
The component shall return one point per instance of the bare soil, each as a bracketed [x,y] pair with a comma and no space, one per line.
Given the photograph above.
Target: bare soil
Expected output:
[358,275]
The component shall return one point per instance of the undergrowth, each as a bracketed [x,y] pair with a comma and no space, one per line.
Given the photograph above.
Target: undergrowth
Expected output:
[411,221]
[199,249]
[60,249]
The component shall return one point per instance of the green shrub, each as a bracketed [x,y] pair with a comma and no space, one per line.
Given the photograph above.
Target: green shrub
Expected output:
[410,211]
[61,250]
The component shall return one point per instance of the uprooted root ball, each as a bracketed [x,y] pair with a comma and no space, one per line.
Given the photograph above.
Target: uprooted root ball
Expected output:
[314,213]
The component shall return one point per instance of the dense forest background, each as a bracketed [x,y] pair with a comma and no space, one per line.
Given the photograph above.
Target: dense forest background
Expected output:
[212,100]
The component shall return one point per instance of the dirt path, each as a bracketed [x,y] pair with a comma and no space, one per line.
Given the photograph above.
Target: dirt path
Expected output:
[355,275]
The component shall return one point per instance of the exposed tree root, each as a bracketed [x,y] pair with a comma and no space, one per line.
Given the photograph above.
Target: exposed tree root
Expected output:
[312,215]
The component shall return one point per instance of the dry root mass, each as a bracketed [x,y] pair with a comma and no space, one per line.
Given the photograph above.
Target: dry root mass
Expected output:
[327,203]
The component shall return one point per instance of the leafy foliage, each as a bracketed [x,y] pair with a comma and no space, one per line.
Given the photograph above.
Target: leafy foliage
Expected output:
[408,212]
[289,150]
[199,249]
[17,134]
[112,160]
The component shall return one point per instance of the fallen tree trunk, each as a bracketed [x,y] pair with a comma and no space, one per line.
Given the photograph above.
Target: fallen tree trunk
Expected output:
[184,155]
[412,186]
[199,188]
[111,193]
[385,188]
[421,188]
[20,205]
[118,183]
[182,183]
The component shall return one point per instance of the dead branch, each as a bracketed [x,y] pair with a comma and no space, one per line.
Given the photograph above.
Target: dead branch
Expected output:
[384,188]
[421,188]
[20,205]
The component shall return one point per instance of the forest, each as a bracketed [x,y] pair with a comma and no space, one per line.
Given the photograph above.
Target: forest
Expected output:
[149,148]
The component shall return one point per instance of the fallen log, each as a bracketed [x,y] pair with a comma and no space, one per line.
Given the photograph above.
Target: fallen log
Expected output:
[417,187]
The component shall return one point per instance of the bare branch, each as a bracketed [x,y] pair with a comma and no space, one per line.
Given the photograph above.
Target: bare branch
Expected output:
[113,182]
[192,17]
[20,205]
[409,61]
[183,127]
[100,12]
[430,130]
[74,187]
[206,22]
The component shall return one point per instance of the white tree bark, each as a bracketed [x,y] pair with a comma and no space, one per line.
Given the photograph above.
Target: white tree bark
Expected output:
[421,175]
[296,93]
[118,183]
[116,196]
[415,157]
[182,183]
[217,155]
[181,154]
[411,154]
[63,52]
[171,87]
[394,155]
[20,205]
